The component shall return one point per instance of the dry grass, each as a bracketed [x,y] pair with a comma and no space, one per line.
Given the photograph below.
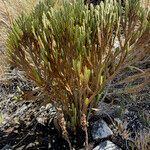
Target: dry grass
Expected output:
[142,141]
[9,10]
[146,3]
[3,64]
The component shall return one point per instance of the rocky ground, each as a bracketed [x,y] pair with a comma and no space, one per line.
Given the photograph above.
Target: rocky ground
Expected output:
[122,121]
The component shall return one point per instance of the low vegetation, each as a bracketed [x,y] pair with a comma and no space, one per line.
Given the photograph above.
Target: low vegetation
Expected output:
[72,52]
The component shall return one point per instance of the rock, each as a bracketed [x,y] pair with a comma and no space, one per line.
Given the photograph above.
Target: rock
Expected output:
[41,120]
[21,147]
[107,145]
[31,145]
[101,130]
[7,147]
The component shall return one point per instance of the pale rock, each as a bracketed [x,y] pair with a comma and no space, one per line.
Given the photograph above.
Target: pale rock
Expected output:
[107,145]
[101,130]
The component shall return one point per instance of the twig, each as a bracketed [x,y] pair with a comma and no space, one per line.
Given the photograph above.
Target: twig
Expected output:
[84,128]
[62,124]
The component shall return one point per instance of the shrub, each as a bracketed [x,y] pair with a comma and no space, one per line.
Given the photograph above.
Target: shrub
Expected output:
[71,52]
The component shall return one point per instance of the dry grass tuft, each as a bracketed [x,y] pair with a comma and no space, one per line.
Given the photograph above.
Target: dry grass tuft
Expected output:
[9,10]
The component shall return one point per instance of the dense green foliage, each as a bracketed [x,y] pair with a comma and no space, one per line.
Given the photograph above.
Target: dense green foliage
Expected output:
[70,51]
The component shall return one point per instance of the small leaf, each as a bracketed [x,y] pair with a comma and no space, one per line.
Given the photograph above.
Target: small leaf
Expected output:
[87,101]
[87,73]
